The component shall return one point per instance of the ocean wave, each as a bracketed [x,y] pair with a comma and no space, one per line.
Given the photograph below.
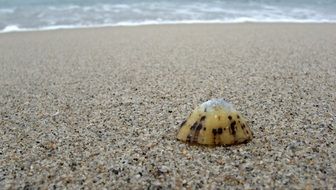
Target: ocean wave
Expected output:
[70,15]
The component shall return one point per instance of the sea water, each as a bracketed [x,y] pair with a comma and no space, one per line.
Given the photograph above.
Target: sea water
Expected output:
[21,15]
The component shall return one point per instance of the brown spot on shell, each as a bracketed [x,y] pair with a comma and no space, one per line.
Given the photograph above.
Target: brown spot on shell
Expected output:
[193,127]
[183,123]
[233,128]
[214,132]
[189,138]
[199,127]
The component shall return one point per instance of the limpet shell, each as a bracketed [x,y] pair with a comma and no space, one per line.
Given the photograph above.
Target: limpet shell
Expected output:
[215,122]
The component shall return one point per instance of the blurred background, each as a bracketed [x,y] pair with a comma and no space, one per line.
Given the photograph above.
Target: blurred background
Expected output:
[17,15]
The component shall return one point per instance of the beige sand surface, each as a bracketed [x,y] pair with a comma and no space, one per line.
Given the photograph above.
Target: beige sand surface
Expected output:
[101,107]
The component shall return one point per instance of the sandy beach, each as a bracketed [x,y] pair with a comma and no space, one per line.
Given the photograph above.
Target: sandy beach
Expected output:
[100,108]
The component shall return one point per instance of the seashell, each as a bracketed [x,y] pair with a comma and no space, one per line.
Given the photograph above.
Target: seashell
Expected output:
[215,122]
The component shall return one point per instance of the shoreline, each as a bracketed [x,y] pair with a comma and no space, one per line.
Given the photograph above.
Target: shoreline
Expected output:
[56,28]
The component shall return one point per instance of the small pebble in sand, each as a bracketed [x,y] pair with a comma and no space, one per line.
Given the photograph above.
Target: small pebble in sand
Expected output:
[215,122]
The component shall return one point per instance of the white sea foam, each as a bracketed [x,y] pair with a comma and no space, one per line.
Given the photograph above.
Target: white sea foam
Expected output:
[15,28]
[12,28]
[6,11]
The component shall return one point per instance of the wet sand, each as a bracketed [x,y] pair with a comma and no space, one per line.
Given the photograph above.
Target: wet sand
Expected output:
[101,107]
